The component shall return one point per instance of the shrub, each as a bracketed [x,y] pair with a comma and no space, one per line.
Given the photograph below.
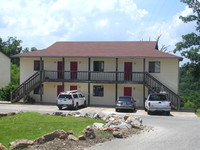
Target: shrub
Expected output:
[5,92]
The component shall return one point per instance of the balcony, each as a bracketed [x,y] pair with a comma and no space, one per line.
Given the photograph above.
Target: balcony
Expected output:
[93,77]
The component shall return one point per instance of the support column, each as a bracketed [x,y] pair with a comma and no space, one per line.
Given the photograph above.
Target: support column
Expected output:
[116,82]
[41,80]
[89,59]
[63,74]
[144,70]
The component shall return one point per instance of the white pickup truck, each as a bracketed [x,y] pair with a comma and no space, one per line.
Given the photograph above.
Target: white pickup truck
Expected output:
[158,102]
[70,99]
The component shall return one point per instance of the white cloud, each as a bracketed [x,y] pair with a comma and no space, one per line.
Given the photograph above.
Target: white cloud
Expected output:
[40,22]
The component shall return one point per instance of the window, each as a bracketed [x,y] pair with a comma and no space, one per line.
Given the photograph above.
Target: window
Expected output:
[97,90]
[37,90]
[37,65]
[75,96]
[99,66]
[154,67]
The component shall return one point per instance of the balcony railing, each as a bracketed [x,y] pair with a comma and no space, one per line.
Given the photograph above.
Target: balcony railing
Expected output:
[86,76]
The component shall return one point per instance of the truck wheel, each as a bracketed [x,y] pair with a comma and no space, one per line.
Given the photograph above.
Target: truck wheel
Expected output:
[60,107]
[84,104]
[167,113]
[76,107]
[148,112]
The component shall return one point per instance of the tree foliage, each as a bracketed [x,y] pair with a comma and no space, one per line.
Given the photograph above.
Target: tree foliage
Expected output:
[189,90]
[190,44]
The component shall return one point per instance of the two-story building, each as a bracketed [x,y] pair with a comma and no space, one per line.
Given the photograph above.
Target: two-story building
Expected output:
[102,71]
[5,69]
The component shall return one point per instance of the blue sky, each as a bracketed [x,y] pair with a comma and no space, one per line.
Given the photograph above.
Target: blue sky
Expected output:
[40,23]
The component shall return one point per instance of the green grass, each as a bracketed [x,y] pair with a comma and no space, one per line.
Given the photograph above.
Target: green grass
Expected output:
[198,112]
[31,125]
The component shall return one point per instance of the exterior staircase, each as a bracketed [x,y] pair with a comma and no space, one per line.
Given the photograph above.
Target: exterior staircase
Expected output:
[156,86]
[23,90]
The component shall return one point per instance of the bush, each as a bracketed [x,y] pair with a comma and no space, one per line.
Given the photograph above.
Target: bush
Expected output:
[5,92]
[189,105]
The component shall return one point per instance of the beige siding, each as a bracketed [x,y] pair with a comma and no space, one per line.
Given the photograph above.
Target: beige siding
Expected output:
[169,74]
[109,64]
[5,70]
[107,99]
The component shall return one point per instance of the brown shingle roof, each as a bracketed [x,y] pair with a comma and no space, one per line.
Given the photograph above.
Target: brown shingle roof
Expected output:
[119,49]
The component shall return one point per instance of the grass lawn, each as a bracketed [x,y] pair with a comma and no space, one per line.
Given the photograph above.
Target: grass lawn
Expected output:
[31,125]
[198,112]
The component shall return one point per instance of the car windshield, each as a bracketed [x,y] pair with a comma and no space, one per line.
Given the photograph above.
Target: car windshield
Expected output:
[65,96]
[157,97]
[125,99]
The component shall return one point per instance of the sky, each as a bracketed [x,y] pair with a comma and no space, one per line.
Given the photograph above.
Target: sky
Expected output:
[40,23]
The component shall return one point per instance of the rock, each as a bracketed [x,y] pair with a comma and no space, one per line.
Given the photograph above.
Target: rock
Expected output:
[3,114]
[2,147]
[63,115]
[134,122]
[82,138]
[77,116]
[57,113]
[70,133]
[89,132]
[98,125]
[118,134]
[60,134]
[109,129]
[72,137]
[11,114]
[20,144]
[127,116]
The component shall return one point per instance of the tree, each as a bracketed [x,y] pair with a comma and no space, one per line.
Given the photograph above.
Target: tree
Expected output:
[190,44]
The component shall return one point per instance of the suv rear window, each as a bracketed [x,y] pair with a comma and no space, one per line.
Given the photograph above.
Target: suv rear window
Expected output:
[157,97]
[125,99]
[65,96]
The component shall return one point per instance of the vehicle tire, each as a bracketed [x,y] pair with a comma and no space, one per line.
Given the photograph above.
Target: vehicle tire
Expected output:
[84,105]
[117,110]
[60,107]
[76,107]
[148,112]
[167,113]
[145,109]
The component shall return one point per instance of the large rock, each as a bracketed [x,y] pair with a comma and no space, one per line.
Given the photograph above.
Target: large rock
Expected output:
[3,114]
[118,134]
[60,134]
[89,132]
[2,147]
[72,138]
[98,125]
[20,144]
[134,122]
[82,138]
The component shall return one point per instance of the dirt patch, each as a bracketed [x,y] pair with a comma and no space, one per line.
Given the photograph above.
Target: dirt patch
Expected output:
[101,137]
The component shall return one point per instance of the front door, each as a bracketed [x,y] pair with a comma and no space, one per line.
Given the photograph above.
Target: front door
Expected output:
[59,89]
[127,91]
[73,87]
[60,72]
[73,69]
[128,71]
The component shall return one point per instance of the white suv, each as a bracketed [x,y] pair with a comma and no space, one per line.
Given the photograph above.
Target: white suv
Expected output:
[70,99]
